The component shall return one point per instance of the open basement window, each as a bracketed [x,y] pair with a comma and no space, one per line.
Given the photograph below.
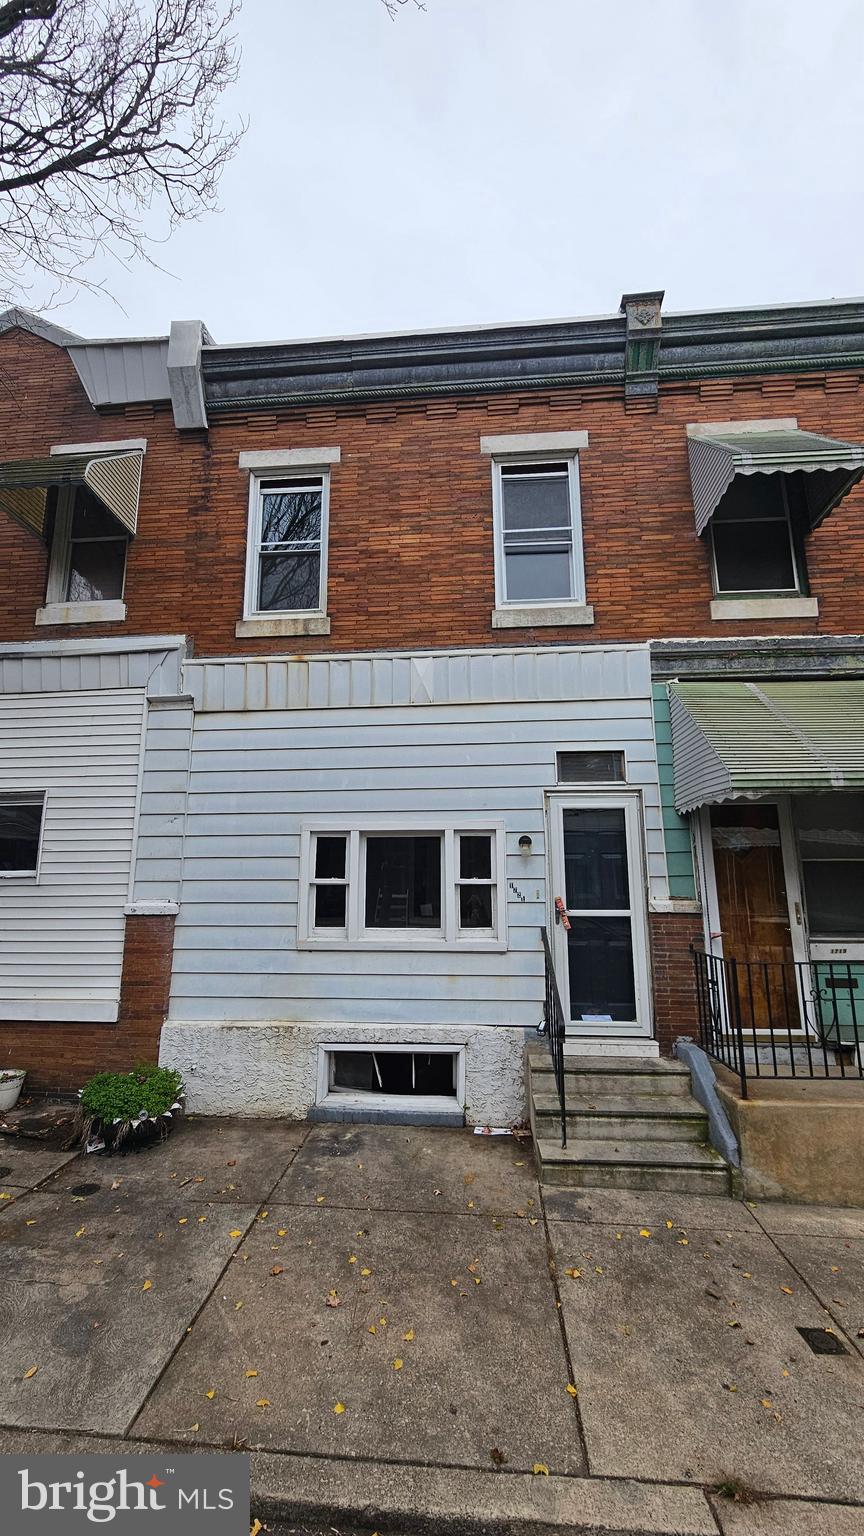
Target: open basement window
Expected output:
[386,1075]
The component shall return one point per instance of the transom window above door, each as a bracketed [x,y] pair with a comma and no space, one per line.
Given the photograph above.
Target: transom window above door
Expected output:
[391,885]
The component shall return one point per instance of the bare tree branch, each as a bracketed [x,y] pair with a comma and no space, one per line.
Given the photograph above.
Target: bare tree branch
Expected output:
[108,111]
[393,7]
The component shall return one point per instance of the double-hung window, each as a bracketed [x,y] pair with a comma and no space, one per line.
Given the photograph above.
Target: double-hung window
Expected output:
[539,569]
[288,532]
[756,546]
[387,884]
[88,550]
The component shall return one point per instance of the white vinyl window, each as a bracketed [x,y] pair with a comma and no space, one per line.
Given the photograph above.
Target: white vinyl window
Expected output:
[538,531]
[21,820]
[391,884]
[286,568]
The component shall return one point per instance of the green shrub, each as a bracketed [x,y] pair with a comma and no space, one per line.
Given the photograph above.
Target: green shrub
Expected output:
[113,1096]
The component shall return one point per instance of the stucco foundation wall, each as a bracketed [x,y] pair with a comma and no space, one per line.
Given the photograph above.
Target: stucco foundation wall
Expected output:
[272,1068]
[800,1141]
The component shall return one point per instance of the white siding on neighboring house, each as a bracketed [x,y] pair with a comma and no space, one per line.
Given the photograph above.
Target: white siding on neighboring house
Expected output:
[61,939]
[456,735]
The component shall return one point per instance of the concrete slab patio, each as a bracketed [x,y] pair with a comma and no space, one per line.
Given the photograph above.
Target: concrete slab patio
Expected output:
[403,1296]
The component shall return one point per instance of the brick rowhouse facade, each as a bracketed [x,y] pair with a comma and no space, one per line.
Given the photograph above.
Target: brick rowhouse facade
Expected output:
[410,566]
[410,543]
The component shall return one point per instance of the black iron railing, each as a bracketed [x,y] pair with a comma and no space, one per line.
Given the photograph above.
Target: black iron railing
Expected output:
[771,1018]
[553,1026]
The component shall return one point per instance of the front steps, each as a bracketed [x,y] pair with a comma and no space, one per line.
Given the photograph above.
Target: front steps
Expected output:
[632,1123]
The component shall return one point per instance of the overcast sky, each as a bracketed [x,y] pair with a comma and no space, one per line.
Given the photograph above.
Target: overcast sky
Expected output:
[494,160]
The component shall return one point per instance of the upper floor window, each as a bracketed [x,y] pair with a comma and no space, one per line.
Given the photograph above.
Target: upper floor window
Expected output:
[756,538]
[287,563]
[538,531]
[88,550]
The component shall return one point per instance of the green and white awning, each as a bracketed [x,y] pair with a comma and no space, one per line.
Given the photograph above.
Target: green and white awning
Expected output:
[829,468]
[734,739]
[115,478]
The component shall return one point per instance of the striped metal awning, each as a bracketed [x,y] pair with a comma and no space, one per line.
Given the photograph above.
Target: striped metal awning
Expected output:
[830,468]
[734,739]
[115,478]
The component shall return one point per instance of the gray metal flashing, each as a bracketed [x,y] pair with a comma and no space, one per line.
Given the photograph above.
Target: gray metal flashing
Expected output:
[22,320]
[185,382]
[123,372]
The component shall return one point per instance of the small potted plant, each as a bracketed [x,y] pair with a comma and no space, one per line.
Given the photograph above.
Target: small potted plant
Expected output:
[123,1111]
[11,1083]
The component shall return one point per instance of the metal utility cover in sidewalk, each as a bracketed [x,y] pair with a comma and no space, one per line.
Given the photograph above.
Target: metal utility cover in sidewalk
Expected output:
[732,739]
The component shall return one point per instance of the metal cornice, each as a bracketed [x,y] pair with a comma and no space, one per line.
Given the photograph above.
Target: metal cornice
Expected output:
[406,392]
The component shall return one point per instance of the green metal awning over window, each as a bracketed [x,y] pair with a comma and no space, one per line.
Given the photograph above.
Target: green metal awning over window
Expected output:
[829,468]
[115,478]
[748,739]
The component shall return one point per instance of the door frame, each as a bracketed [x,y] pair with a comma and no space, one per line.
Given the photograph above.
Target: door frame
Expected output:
[791,876]
[630,801]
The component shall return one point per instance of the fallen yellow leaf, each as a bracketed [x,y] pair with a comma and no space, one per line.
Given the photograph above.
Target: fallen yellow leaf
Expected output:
[365,1271]
[31,1222]
[644,1232]
[237,1306]
[193,1428]
[571,1389]
[398,1364]
[575,1274]
[5,1196]
[255,1528]
[540,1469]
[277,1270]
[81,1231]
[787,1290]
[183,1220]
[263,1402]
[766,1402]
[352,1258]
[235,1233]
[319,1199]
[372,1328]
[211,1394]
[250,1373]
[29,1374]
[669,1225]
[202,1218]
[338,1407]
[409,1336]
[147,1286]
[282,1232]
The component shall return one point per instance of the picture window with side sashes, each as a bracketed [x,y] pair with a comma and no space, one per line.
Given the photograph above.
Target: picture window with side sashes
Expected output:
[288,544]
[538,531]
[426,886]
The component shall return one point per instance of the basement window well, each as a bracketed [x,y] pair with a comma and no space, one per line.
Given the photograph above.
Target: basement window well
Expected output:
[385,1076]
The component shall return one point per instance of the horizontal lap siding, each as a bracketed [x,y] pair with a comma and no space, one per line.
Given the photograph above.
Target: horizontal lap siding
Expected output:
[257,776]
[61,940]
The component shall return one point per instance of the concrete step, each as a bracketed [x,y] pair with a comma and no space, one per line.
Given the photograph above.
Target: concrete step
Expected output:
[608,1164]
[608,1075]
[645,1117]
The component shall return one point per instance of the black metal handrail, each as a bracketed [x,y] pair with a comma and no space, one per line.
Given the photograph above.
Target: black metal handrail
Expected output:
[554,1027]
[781,1018]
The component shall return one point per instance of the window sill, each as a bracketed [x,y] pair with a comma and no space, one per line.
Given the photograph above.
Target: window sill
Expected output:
[765,608]
[294,624]
[113,612]
[549,615]
[450,946]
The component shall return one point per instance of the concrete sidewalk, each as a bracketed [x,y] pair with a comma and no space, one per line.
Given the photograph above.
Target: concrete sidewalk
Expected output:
[393,1319]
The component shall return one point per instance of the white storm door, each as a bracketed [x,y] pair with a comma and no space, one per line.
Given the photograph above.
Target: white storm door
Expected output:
[598,871]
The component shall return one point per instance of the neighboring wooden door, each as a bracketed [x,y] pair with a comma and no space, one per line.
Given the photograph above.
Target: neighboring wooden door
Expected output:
[753,907]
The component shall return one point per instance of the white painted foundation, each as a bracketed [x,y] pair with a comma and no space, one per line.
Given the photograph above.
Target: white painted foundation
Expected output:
[271,1068]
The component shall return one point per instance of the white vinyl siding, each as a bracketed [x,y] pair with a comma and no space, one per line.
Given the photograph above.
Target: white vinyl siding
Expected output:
[61,940]
[485,754]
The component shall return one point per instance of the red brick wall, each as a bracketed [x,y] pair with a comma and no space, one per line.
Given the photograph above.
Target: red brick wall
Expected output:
[62,1056]
[411,561]
[672,974]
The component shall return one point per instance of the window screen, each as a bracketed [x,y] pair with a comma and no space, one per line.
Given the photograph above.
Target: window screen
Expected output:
[537,532]
[830,830]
